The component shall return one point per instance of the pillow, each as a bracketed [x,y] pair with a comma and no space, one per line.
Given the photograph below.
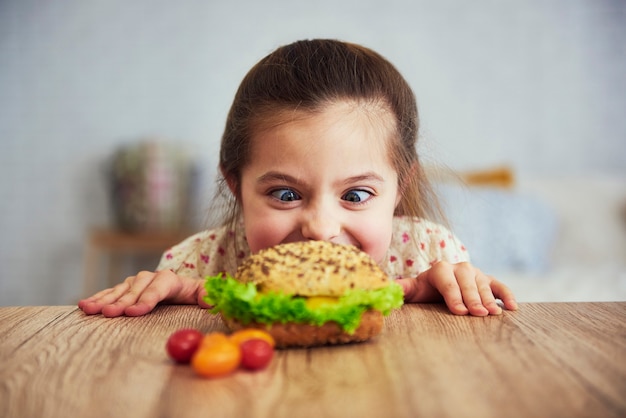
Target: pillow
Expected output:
[502,230]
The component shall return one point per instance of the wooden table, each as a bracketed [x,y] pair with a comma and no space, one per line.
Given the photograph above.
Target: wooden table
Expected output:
[545,360]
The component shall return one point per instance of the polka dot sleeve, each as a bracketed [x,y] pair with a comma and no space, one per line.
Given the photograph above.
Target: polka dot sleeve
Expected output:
[206,253]
[417,244]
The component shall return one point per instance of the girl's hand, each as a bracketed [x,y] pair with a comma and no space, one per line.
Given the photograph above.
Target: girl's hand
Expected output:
[138,295]
[464,288]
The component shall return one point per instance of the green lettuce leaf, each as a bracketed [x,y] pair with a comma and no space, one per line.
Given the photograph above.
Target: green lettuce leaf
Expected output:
[243,302]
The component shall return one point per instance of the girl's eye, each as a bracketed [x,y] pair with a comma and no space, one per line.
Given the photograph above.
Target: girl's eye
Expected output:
[285,195]
[357,196]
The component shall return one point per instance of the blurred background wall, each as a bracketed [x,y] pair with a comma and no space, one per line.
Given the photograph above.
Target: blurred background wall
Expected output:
[536,85]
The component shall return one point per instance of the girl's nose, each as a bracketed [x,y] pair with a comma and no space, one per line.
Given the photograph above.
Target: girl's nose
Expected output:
[320,225]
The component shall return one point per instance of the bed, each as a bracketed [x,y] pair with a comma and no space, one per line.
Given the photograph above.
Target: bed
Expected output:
[551,239]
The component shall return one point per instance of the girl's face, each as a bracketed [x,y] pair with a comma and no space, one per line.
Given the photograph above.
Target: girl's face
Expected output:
[322,176]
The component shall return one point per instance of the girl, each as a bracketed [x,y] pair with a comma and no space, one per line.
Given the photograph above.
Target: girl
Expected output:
[320,144]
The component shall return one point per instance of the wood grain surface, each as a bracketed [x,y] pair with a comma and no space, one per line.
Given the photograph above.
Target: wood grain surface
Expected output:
[545,360]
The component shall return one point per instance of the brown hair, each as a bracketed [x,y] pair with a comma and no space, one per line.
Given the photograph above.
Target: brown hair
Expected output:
[307,75]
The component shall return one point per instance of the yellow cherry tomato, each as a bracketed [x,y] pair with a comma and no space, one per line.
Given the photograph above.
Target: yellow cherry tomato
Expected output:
[217,359]
[243,335]
[213,338]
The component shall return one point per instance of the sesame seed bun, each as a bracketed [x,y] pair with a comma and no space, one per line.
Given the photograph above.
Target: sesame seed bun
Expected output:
[312,268]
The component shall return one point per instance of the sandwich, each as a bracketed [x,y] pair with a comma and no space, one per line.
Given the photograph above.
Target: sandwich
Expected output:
[306,294]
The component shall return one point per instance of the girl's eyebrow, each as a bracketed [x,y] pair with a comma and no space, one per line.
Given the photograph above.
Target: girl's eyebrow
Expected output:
[273,176]
[369,176]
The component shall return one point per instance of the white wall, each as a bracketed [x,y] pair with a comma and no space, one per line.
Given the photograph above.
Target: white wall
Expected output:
[538,85]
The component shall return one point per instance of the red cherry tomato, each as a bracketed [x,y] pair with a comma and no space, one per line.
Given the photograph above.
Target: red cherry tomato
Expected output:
[182,344]
[256,354]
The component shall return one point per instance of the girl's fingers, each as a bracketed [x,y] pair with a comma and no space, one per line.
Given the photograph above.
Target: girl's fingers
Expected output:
[97,296]
[139,308]
[466,276]
[163,285]
[106,294]
[112,302]
[502,292]
[466,289]
[487,296]
[139,294]
[94,304]
[137,285]
[200,298]
[442,277]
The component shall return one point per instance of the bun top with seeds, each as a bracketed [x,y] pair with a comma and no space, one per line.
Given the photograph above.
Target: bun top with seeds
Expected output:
[312,268]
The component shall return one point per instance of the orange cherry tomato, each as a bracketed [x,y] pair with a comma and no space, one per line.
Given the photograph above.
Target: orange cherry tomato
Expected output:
[218,359]
[243,335]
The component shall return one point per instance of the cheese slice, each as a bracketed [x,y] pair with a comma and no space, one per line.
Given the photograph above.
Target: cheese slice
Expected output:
[315,302]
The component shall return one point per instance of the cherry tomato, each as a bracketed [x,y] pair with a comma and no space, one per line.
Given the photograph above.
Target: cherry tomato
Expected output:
[243,335]
[213,338]
[256,354]
[217,359]
[182,344]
